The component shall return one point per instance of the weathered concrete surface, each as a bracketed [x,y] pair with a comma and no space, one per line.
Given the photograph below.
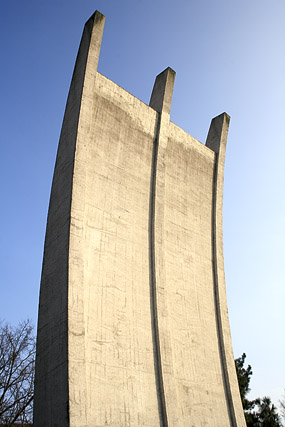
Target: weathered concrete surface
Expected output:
[133,327]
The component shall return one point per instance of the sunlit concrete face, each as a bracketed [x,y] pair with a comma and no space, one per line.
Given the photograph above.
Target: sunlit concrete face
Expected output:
[133,327]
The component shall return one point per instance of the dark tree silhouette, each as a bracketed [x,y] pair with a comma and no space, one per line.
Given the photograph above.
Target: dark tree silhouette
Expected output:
[17,366]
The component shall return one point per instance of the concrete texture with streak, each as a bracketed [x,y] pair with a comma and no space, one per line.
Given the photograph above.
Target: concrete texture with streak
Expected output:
[133,327]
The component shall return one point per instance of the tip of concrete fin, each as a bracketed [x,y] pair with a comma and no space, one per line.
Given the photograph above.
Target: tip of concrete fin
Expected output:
[223,115]
[227,116]
[96,15]
[167,70]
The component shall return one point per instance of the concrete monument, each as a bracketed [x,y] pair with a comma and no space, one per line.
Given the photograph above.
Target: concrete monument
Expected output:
[133,327]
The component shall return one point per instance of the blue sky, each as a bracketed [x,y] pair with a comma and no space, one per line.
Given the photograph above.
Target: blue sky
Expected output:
[228,56]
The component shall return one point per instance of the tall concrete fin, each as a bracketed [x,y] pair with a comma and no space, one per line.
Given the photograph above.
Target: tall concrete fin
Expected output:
[77,318]
[160,101]
[216,141]
[161,96]
[51,405]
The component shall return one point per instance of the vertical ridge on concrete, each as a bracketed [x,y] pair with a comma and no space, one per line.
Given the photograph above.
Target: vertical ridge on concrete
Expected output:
[153,292]
[216,140]
[160,101]
[51,406]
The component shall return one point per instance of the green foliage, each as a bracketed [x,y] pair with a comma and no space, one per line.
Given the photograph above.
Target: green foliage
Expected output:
[243,375]
[267,413]
[258,412]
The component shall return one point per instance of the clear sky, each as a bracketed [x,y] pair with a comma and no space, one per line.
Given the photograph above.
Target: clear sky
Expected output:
[228,56]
